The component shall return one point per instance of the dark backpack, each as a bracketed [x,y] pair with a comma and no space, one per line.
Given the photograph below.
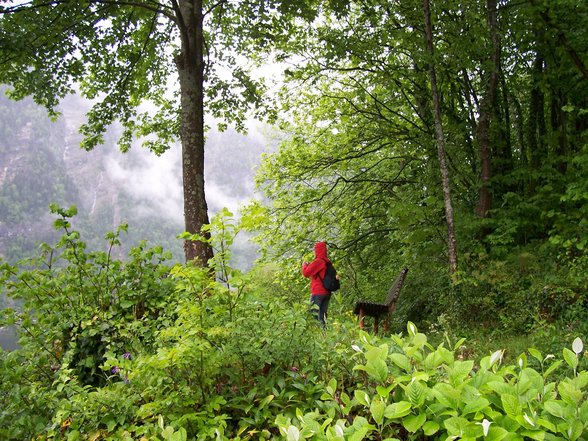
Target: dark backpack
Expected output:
[330,281]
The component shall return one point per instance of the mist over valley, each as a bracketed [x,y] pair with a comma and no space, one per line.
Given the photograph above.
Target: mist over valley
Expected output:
[41,162]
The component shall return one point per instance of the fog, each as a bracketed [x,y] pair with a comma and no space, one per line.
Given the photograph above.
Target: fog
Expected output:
[155,183]
[111,187]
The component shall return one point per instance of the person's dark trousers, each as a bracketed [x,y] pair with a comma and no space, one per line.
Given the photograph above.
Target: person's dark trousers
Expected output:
[322,301]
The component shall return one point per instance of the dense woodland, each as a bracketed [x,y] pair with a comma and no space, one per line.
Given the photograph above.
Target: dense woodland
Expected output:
[448,137]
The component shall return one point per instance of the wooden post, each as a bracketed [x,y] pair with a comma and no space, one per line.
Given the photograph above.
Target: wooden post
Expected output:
[387,321]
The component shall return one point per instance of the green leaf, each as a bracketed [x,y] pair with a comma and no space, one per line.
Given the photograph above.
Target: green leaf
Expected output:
[583,411]
[571,358]
[345,398]
[496,433]
[460,371]
[401,361]
[570,394]
[179,435]
[536,354]
[547,424]
[419,340]
[416,393]
[332,386]
[384,392]
[126,303]
[555,408]
[575,430]
[110,424]
[446,355]
[447,395]
[552,368]
[431,427]
[362,397]
[74,435]
[397,410]
[433,360]
[310,425]
[537,435]
[511,405]
[412,423]
[167,432]
[501,388]
[456,426]
[266,401]
[377,409]
[377,370]
[359,429]
[377,353]
[358,434]
[458,344]
[478,404]
[530,379]
[376,366]
[581,380]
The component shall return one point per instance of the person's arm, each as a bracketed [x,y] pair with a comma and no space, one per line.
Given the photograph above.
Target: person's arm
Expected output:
[312,268]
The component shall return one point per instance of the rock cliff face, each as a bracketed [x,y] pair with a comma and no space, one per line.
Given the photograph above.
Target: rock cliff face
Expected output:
[96,191]
[41,162]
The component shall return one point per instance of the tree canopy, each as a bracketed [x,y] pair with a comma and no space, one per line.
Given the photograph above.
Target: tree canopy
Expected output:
[361,170]
[155,67]
[379,95]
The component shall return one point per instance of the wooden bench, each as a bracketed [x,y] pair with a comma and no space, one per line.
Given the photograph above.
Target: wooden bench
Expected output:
[378,310]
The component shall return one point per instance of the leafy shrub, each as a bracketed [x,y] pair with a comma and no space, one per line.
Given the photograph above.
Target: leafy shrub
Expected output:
[196,353]
[75,307]
[415,391]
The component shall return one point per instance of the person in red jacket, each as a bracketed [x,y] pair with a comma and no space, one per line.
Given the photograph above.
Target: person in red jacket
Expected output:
[316,271]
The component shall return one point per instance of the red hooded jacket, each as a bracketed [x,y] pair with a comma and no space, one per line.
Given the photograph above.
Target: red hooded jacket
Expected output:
[316,269]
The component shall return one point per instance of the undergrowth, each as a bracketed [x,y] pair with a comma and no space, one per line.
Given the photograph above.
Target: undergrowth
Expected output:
[139,350]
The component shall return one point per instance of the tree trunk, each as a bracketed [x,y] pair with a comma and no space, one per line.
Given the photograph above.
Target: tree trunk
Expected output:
[451,242]
[484,122]
[536,127]
[190,65]
[506,128]
[558,127]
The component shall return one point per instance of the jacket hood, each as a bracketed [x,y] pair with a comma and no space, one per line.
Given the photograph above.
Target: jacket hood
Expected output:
[320,250]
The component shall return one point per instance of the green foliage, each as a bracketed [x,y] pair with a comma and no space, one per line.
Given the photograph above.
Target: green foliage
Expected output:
[414,390]
[358,164]
[121,56]
[135,349]
[76,307]
[229,355]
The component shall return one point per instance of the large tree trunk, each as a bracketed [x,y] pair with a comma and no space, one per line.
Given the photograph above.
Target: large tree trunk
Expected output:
[190,64]
[485,119]
[536,127]
[505,132]
[451,242]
